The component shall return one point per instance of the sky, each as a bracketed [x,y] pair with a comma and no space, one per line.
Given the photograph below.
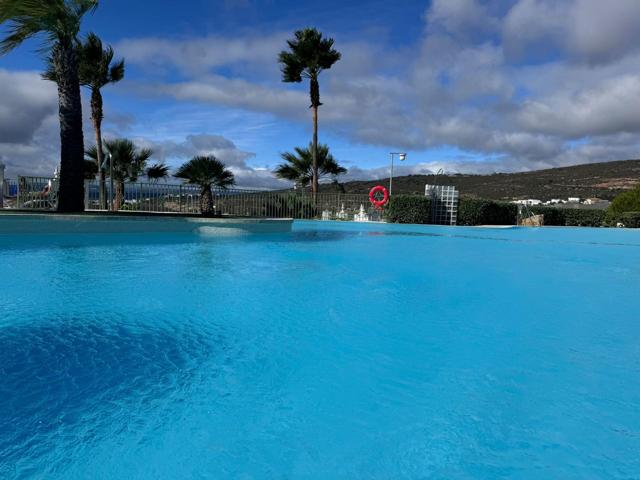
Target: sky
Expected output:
[470,86]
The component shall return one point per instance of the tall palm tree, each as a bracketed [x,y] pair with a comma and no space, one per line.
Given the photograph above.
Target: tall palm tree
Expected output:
[59,21]
[129,163]
[207,172]
[157,171]
[308,55]
[298,166]
[96,71]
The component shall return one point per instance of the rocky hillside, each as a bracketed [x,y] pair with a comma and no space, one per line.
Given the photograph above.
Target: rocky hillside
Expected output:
[601,180]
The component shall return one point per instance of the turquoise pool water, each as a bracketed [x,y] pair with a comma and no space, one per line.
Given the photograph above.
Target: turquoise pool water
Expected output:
[337,351]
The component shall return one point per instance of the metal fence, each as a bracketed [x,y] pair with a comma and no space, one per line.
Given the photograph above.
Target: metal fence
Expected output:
[9,193]
[41,194]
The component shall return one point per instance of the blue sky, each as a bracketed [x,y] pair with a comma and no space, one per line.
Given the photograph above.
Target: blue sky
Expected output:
[464,85]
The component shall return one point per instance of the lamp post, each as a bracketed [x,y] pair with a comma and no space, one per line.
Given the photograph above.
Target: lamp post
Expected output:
[402,157]
[108,158]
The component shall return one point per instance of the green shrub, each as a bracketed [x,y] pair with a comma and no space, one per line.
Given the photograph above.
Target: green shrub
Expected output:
[553,217]
[408,209]
[584,217]
[486,212]
[570,217]
[290,205]
[630,219]
[625,202]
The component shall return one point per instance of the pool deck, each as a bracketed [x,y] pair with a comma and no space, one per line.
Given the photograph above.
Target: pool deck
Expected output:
[17,223]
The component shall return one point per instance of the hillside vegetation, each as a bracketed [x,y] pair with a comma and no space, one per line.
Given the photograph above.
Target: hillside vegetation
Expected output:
[600,180]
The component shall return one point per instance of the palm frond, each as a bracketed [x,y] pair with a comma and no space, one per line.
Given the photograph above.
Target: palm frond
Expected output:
[58,20]
[157,171]
[298,166]
[206,171]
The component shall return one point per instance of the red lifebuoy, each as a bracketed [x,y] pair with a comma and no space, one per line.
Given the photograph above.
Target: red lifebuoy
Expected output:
[379,196]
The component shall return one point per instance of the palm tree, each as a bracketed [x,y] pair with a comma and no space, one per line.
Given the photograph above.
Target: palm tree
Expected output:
[59,21]
[95,70]
[157,171]
[129,163]
[309,54]
[207,172]
[298,166]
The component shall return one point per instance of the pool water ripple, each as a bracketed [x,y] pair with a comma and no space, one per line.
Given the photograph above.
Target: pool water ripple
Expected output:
[337,351]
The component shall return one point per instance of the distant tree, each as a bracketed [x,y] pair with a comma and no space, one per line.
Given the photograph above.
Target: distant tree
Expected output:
[59,22]
[157,171]
[298,166]
[308,55]
[625,202]
[129,163]
[96,70]
[207,172]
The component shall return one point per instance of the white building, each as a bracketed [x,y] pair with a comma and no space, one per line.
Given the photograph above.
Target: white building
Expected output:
[528,201]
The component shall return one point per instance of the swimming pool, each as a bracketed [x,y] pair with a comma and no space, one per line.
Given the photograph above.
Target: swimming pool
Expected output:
[335,351]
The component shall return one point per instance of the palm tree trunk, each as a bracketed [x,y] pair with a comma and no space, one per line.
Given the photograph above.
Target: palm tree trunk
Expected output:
[119,195]
[206,200]
[315,103]
[96,116]
[314,167]
[71,189]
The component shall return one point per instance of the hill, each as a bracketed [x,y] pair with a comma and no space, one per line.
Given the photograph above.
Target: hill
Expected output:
[599,180]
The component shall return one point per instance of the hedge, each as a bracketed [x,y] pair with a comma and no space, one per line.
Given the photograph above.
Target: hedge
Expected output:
[408,209]
[473,212]
[571,217]
[631,219]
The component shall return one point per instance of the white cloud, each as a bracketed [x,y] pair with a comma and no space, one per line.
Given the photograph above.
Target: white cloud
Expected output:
[517,83]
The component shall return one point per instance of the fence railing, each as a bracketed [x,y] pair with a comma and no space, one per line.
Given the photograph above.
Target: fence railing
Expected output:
[38,193]
[9,193]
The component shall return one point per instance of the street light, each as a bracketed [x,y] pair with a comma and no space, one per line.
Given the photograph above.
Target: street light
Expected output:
[109,158]
[402,157]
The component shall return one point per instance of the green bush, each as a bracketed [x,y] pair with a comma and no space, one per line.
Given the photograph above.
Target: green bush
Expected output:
[625,202]
[630,219]
[584,218]
[570,217]
[553,217]
[290,205]
[408,209]
[473,212]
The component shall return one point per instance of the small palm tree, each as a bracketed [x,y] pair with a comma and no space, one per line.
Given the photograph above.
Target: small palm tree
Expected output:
[95,70]
[298,166]
[129,163]
[59,21]
[309,54]
[207,172]
[157,171]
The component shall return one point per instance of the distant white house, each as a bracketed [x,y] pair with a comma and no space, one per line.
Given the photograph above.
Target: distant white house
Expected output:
[528,201]
[573,199]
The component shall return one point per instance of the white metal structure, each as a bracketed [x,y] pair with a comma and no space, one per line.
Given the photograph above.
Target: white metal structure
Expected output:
[444,204]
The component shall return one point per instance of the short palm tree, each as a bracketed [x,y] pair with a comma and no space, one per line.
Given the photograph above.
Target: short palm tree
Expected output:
[59,21]
[157,171]
[298,166]
[129,163]
[308,55]
[206,171]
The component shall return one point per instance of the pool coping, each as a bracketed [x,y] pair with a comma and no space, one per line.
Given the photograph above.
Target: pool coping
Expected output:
[16,223]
